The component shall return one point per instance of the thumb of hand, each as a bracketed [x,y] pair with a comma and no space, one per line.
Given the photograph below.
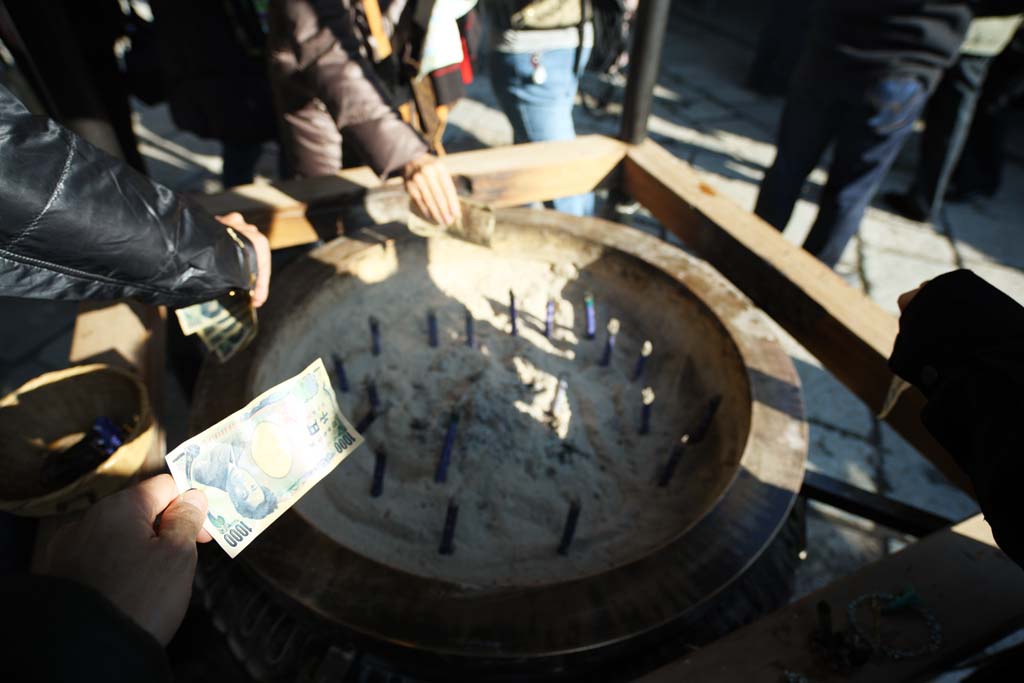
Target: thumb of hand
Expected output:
[183,519]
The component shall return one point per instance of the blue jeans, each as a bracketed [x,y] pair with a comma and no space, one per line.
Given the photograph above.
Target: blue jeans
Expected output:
[541,112]
[868,124]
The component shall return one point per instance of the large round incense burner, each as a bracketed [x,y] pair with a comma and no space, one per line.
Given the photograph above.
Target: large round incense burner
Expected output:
[651,548]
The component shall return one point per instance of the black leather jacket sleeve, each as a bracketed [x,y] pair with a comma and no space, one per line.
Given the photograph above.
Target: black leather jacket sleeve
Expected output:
[75,223]
[961,342]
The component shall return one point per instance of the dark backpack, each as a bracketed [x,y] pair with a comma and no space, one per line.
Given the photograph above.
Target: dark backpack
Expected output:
[611,34]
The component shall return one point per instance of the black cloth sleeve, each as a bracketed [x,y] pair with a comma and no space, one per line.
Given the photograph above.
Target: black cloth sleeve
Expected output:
[75,223]
[60,630]
[961,341]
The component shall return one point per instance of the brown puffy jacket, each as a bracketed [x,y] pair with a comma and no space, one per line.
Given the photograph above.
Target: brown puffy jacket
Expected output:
[318,52]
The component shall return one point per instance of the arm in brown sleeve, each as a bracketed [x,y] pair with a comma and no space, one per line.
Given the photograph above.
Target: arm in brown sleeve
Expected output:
[315,52]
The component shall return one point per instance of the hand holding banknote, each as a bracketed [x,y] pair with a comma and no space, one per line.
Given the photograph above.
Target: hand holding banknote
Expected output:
[256,463]
[116,548]
[226,325]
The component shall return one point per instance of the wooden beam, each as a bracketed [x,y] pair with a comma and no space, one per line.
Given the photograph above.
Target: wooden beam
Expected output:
[850,334]
[975,592]
[897,516]
[291,212]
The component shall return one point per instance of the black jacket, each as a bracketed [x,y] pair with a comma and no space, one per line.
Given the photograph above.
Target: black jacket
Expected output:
[866,40]
[214,63]
[76,223]
[961,342]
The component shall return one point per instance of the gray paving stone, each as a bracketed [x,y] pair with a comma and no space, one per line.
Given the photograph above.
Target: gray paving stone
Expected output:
[911,479]
[883,231]
[691,108]
[474,124]
[989,230]
[1010,280]
[156,118]
[844,456]
[889,274]
[832,407]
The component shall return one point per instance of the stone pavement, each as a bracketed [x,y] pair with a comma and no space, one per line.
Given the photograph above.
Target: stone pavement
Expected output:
[702,113]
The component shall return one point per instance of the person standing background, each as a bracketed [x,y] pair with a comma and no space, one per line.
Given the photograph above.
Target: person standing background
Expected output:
[215,81]
[539,50]
[863,80]
[948,117]
[980,171]
[335,68]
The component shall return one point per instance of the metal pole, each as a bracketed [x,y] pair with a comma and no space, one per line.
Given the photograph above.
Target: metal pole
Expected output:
[644,60]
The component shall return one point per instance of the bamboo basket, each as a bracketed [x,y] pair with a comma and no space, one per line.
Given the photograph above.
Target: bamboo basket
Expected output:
[52,412]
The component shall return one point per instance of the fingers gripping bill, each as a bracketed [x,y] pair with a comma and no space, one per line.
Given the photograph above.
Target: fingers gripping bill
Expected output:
[256,463]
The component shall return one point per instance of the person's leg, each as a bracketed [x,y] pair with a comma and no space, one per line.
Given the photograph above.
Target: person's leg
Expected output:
[806,128]
[870,136]
[541,112]
[947,124]
[979,170]
[310,141]
[239,162]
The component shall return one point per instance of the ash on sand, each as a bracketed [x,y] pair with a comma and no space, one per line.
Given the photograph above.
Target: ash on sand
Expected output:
[515,468]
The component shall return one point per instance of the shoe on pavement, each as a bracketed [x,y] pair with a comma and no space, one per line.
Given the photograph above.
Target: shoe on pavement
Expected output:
[906,205]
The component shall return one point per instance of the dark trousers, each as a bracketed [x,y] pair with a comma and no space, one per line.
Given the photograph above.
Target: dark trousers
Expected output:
[240,159]
[947,123]
[868,125]
[981,162]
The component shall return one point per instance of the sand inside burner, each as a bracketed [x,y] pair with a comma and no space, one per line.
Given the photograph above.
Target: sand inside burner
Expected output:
[514,472]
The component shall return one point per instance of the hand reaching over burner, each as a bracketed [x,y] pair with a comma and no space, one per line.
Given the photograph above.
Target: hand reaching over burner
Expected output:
[117,547]
[432,190]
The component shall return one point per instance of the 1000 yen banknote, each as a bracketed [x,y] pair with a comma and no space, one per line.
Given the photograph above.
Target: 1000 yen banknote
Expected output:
[210,313]
[225,325]
[224,342]
[256,463]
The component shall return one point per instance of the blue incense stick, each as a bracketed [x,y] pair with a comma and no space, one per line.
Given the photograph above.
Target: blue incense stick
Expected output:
[569,531]
[645,352]
[647,396]
[512,312]
[673,461]
[441,474]
[339,374]
[378,474]
[371,393]
[549,319]
[470,335]
[609,346]
[451,517]
[588,305]
[375,335]
[432,328]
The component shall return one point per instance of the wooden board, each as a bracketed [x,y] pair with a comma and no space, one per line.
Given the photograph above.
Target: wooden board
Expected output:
[850,334]
[973,589]
[132,336]
[292,212]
